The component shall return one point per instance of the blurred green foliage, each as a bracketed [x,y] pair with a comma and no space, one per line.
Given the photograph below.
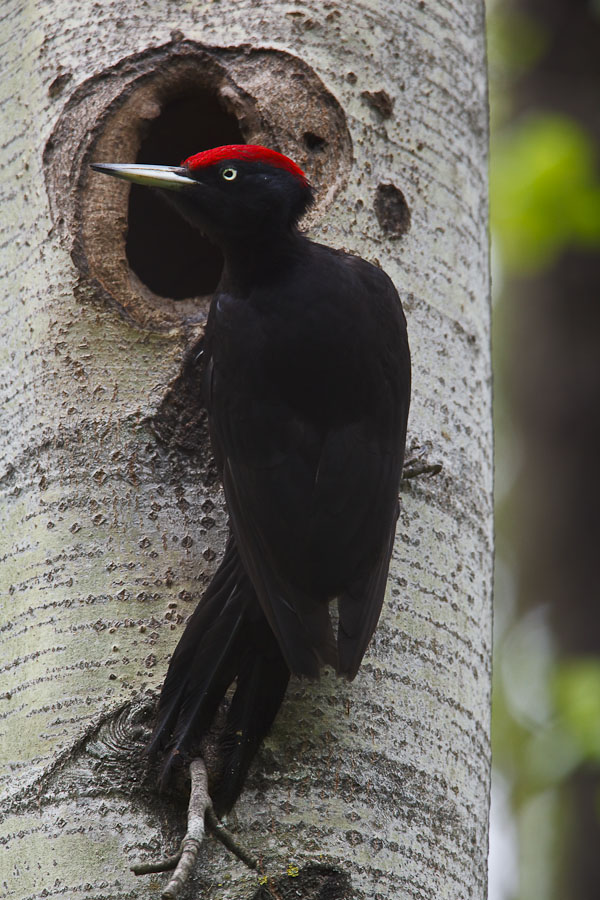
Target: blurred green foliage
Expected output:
[545,191]
[577,697]
[515,40]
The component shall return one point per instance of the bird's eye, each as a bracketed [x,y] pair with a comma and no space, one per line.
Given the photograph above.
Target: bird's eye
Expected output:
[229,174]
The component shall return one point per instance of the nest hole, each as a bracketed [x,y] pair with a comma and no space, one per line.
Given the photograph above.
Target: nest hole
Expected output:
[169,256]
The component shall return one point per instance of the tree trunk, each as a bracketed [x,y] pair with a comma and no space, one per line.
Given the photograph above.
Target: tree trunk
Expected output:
[112,519]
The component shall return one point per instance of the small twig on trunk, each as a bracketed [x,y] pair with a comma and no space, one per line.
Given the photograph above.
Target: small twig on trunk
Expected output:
[418,469]
[416,466]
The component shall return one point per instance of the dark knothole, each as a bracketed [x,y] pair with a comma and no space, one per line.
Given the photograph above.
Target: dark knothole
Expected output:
[168,255]
[314,142]
[391,209]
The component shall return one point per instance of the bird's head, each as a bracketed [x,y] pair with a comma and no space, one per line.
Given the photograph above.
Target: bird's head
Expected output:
[230,193]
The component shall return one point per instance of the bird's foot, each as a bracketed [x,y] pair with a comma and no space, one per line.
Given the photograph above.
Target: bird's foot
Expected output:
[228,840]
[200,812]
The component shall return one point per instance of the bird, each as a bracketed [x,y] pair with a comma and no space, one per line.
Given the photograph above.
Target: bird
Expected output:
[306,379]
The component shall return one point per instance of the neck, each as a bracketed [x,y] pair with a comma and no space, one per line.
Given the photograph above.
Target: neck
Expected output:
[258,259]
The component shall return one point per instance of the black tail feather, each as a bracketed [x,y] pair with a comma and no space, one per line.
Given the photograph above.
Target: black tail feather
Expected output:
[261,684]
[227,639]
[196,646]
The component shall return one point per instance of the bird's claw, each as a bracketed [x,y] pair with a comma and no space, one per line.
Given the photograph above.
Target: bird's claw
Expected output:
[200,812]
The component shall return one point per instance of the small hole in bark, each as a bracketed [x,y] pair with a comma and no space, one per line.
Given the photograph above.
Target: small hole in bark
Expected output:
[168,255]
[59,83]
[392,210]
[313,141]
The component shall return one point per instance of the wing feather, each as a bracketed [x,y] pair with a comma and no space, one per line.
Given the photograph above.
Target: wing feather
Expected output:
[311,451]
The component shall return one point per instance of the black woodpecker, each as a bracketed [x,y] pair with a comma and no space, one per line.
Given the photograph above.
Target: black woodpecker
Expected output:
[307,386]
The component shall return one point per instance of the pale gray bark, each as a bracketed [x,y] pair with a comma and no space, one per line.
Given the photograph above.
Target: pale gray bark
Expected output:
[109,536]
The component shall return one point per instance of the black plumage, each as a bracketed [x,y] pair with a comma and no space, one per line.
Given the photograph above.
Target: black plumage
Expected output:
[307,387]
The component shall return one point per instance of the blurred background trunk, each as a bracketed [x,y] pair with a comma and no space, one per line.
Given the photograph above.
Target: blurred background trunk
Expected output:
[548,341]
